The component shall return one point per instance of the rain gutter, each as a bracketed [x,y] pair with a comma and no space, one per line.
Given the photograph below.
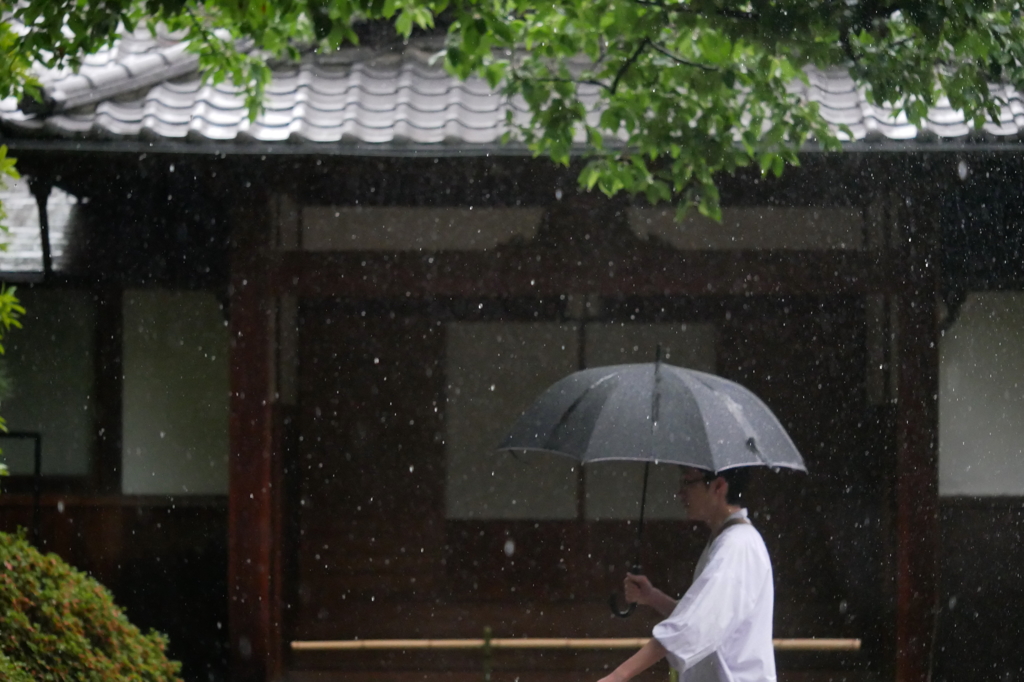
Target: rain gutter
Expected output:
[214,148]
[263,148]
[40,188]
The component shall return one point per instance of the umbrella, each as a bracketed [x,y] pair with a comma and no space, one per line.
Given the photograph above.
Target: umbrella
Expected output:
[654,412]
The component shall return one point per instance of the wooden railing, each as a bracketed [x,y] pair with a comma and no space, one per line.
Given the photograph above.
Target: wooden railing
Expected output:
[487,645]
[807,644]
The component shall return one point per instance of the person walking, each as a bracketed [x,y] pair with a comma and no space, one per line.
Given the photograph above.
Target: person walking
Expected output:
[721,628]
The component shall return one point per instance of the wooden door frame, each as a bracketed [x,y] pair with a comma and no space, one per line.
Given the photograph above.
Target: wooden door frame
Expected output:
[905,271]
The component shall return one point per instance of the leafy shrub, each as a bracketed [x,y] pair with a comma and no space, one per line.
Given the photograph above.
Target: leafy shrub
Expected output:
[11,671]
[59,625]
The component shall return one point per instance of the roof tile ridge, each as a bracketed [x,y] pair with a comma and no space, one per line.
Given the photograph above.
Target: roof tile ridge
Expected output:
[121,74]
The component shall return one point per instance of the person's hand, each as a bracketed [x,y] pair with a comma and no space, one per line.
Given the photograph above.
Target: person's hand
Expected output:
[638,589]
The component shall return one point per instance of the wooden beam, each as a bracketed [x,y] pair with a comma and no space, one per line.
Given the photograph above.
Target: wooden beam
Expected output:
[917,445]
[255,657]
[546,272]
[805,644]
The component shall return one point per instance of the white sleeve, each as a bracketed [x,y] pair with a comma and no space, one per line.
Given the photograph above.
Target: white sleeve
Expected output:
[722,596]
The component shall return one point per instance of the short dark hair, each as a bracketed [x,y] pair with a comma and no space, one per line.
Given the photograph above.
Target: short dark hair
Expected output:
[736,478]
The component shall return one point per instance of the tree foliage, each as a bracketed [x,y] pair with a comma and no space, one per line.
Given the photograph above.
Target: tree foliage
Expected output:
[664,94]
[57,624]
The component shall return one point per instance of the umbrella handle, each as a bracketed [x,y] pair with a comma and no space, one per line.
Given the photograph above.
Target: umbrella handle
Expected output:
[613,601]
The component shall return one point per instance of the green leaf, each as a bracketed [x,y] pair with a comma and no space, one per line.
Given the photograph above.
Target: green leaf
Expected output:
[403,24]
[778,165]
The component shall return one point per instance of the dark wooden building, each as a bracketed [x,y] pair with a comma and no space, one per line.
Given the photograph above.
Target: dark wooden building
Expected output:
[389,285]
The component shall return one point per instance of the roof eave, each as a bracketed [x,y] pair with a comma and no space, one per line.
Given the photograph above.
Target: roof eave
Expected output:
[410,150]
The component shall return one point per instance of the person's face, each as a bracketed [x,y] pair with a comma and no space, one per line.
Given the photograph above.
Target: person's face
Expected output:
[695,494]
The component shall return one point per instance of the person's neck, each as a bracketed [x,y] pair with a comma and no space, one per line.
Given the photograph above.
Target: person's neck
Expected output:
[718,519]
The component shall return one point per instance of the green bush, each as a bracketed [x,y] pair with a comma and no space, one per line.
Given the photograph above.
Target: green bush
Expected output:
[59,625]
[11,671]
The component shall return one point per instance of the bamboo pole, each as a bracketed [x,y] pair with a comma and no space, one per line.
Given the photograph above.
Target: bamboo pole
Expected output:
[806,644]
[814,644]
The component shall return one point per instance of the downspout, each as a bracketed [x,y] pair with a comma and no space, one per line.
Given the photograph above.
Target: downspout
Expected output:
[40,188]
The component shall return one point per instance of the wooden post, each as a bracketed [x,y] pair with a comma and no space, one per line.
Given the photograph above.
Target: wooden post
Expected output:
[917,442]
[251,566]
[108,452]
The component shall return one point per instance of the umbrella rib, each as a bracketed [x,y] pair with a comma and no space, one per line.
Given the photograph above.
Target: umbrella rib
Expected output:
[656,393]
[736,410]
[700,435]
[564,419]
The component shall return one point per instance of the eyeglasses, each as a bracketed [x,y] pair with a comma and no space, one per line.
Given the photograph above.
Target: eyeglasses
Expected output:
[691,481]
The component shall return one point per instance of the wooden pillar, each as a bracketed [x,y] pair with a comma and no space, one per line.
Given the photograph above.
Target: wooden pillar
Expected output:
[917,440]
[109,533]
[255,653]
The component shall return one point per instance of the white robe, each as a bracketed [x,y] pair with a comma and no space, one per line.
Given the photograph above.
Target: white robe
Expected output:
[721,630]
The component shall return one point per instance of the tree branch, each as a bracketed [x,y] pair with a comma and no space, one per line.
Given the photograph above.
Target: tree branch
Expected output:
[679,60]
[628,63]
[555,79]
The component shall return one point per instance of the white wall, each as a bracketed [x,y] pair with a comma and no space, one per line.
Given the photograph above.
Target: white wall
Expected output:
[496,370]
[981,398]
[175,394]
[52,364]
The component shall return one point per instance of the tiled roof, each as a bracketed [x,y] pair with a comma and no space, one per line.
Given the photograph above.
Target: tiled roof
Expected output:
[24,254]
[842,103]
[148,89]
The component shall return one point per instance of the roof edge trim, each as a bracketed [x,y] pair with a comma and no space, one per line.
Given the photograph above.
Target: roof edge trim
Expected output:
[213,148]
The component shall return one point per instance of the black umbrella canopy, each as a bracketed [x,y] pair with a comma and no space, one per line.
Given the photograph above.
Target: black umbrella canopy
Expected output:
[657,413]
[654,412]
